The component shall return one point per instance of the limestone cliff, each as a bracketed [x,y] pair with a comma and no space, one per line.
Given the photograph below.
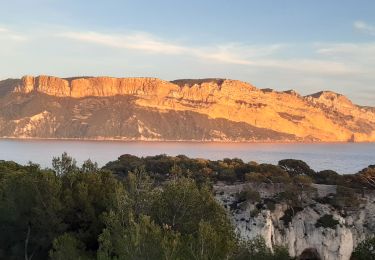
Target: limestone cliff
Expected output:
[332,243]
[259,115]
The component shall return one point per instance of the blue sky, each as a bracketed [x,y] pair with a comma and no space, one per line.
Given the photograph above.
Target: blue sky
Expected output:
[303,45]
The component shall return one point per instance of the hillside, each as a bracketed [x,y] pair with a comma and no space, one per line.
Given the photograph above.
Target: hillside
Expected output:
[196,110]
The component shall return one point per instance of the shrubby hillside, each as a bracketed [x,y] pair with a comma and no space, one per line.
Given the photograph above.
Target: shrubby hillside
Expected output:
[157,207]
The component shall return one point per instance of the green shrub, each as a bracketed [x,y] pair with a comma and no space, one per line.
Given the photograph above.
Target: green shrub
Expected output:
[365,250]
[270,204]
[345,198]
[256,249]
[254,213]
[296,167]
[289,214]
[328,177]
[248,194]
[327,221]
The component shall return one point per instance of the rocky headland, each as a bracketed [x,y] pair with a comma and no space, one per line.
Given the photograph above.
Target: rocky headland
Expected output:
[188,110]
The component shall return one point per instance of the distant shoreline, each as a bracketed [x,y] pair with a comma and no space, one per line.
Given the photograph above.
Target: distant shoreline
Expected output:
[179,141]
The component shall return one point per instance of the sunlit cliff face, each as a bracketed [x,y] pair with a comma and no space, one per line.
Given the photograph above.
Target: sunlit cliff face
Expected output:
[324,116]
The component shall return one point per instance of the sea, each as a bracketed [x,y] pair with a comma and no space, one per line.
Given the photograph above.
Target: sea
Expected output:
[345,158]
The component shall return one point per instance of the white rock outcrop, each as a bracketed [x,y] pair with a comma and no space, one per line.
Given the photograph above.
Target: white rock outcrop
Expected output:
[335,243]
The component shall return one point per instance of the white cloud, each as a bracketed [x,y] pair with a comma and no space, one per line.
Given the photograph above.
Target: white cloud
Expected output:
[136,41]
[236,53]
[310,66]
[232,53]
[11,35]
[345,50]
[359,57]
[364,27]
[260,56]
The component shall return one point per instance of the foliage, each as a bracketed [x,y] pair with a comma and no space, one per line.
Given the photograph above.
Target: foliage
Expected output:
[270,204]
[365,250]
[155,207]
[328,177]
[268,174]
[64,164]
[302,180]
[289,214]
[248,195]
[30,211]
[327,221]
[367,177]
[84,212]
[292,196]
[67,247]
[173,223]
[345,198]
[256,249]
[296,167]
[162,167]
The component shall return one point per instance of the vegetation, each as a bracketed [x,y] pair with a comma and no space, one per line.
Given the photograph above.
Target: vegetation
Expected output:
[344,199]
[365,250]
[328,177]
[235,170]
[296,167]
[156,207]
[72,212]
[256,249]
[327,221]
[248,195]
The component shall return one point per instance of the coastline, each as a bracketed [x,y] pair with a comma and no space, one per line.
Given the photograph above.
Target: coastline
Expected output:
[147,140]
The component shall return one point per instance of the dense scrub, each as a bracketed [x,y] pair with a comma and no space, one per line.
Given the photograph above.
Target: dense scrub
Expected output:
[156,207]
[327,221]
[288,171]
[365,250]
[71,212]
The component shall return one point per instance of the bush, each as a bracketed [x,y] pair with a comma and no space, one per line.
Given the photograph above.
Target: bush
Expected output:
[345,198]
[302,180]
[289,214]
[254,213]
[249,195]
[268,174]
[256,249]
[367,177]
[270,204]
[296,167]
[365,250]
[327,221]
[328,177]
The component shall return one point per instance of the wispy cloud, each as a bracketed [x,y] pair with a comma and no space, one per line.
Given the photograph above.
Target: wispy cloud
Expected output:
[359,57]
[232,53]
[364,27]
[137,41]
[236,53]
[11,35]
[326,59]
[347,49]
[309,66]
[260,56]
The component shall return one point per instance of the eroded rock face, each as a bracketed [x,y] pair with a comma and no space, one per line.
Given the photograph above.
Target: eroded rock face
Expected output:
[325,116]
[335,243]
[95,86]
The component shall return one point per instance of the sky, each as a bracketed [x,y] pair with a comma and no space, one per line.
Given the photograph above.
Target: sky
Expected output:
[303,45]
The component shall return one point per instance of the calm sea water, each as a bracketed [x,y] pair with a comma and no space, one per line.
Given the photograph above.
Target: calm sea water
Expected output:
[343,158]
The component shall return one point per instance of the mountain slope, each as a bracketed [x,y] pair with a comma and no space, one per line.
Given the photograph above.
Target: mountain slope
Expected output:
[153,109]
